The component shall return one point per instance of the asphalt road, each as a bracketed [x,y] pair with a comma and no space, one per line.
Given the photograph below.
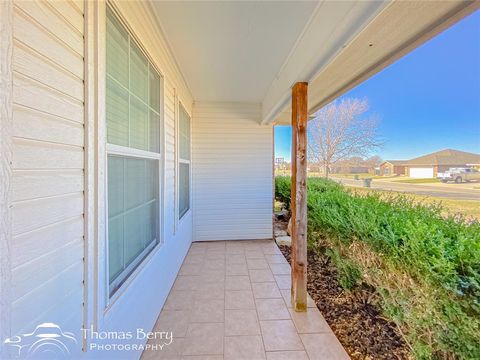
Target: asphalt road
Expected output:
[447,191]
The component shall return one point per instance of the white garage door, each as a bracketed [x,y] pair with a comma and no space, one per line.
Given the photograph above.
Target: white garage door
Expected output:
[422,173]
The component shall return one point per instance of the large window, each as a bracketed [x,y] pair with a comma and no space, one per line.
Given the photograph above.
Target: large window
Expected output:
[183,163]
[133,152]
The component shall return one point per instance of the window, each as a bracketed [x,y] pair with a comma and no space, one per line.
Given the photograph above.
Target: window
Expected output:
[183,163]
[133,153]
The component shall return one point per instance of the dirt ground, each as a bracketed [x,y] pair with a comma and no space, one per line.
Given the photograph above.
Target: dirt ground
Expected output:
[354,316]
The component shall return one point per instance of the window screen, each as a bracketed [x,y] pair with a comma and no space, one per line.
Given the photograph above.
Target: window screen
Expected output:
[133,92]
[133,124]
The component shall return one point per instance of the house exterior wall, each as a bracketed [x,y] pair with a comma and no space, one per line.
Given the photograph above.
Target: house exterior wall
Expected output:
[399,170]
[388,169]
[47,178]
[51,269]
[232,172]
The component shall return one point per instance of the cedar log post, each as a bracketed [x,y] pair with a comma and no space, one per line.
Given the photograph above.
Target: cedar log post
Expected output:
[299,196]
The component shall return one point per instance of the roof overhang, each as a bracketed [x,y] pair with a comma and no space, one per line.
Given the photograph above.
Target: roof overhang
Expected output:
[254,52]
[395,31]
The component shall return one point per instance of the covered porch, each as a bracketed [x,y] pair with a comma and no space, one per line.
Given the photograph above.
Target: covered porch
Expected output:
[231,300]
[137,164]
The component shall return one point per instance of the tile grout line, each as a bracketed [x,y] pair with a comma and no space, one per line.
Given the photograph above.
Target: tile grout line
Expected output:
[256,312]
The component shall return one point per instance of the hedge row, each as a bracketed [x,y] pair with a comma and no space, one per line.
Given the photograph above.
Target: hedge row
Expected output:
[425,266]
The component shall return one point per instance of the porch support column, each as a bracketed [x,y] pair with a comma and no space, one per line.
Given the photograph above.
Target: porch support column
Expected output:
[299,196]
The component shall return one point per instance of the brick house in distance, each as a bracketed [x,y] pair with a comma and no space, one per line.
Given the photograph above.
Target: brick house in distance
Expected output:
[428,166]
[392,167]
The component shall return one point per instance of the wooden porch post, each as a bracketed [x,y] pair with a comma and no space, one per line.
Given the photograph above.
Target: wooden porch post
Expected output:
[299,196]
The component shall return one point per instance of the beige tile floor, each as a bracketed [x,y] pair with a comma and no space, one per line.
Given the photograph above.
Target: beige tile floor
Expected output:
[231,300]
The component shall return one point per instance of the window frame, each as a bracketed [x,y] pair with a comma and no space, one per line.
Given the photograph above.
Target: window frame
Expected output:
[179,217]
[132,270]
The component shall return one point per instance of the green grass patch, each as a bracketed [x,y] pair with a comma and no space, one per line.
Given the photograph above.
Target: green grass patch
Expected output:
[424,265]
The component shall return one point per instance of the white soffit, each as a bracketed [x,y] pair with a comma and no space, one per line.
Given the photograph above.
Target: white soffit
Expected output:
[230,51]
[394,32]
[254,51]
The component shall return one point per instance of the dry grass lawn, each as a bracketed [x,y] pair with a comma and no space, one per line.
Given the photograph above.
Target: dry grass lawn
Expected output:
[417,181]
[467,208]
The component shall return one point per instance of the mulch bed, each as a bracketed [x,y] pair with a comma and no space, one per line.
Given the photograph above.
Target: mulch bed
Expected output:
[353,315]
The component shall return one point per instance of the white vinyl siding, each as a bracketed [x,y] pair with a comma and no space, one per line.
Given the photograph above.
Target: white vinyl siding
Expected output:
[56,275]
[48,166]
[170,159]
[133,124]
[232,172]
[184,164]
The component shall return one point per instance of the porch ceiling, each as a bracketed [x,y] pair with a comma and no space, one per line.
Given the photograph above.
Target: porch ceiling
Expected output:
[238,51]
[232,50]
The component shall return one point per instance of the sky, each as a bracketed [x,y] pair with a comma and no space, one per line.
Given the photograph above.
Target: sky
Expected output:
[427,101]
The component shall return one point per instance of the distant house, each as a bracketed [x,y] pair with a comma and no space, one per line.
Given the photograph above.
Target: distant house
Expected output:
[428,166]
[392,167]
[350,169]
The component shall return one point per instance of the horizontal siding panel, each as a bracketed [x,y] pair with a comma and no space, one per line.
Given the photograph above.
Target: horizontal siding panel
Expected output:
[219,224]
[169,199]
[247,235]
[48,18]
[35,95]
[48,166]
[25,246]
[33,35]
[235,158]
[229,191]
[235,232]
[41,69]
[69,12]
[233,208]
[67,313]
[33,124]
[64,292]
[230,187]
[34,184]
[45,267]
[32,214]
[29,154]
[232,172]
[79,4]
[253,215]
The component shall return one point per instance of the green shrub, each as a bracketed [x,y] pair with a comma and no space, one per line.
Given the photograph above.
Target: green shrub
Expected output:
[283,189]
[349,274]
[435,298]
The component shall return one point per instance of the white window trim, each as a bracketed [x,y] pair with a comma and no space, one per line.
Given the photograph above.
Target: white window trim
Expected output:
[98,305]
[175,160]
[179,219]
[111,149]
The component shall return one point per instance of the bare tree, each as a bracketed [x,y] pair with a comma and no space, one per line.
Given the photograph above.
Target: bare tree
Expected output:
[373,161]
[342,130]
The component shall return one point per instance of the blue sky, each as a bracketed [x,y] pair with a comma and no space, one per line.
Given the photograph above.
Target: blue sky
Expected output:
[428,100]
